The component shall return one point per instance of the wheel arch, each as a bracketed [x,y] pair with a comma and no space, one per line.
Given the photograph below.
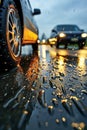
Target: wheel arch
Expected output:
[19,7]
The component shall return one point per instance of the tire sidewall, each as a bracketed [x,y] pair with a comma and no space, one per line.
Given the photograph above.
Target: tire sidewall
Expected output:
[8,4]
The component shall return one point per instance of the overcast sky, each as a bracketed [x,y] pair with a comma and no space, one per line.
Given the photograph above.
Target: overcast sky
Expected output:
[54,12]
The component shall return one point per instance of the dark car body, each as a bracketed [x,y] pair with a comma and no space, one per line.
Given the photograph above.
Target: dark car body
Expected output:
[30,29]
[69,34]
[17,27]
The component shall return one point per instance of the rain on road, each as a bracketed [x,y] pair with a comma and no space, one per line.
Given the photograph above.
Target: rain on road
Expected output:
[47,91]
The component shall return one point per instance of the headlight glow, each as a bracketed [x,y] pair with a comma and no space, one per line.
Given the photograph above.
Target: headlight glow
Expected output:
[38,41]
[84,35]
[62,35]
[43,41]
[52,39]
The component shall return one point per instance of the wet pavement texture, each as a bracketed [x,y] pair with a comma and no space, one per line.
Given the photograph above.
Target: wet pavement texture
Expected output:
[47,91]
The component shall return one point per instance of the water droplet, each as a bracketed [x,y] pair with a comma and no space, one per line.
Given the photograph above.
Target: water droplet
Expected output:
[64,100]
[59,94]
[44,79]
[46,124]
[72,90]
[57,121]
[54,87]
[84,91]
[63,119]
[61,74]
[50,109]
[53,93]
[55,101]
[74,77]
[5,94]
[25,112]
[74,98]
[78,126]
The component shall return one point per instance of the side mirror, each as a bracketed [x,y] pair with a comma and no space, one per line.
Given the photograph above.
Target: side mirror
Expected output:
[36,12]
[82,30]
[54,31]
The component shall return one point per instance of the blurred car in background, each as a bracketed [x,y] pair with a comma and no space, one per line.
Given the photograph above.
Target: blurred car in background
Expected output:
[68,34]
[17,28]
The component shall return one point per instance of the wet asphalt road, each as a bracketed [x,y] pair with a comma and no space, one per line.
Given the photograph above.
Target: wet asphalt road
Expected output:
[47,91]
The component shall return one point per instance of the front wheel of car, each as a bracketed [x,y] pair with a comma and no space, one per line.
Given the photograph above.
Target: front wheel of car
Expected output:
[10,33]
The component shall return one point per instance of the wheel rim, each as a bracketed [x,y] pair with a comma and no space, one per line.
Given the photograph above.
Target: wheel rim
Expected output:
[14,33]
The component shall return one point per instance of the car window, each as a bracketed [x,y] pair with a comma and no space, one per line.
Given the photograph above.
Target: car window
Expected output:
[67,28]
[28,5]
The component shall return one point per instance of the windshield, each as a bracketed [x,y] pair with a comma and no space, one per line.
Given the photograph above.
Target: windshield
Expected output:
[67,28]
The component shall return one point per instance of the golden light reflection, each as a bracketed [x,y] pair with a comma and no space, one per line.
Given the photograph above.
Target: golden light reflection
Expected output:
[81,65]
[61,65]
[53,52]
[81,61]
[61,60]
[43,54]
[63,52]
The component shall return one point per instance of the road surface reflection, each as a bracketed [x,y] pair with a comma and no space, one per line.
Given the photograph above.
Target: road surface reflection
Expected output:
[18,94]
[47,91]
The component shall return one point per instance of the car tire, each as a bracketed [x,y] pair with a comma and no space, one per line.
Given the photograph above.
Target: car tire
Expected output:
[35,47]
[65,45]
[81,45]
[10,34]
[57,45]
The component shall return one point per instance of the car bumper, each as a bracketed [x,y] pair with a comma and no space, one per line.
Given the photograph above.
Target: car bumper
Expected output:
[71,40]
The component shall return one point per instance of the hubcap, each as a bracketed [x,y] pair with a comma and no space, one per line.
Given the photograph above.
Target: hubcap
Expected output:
[14,33]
